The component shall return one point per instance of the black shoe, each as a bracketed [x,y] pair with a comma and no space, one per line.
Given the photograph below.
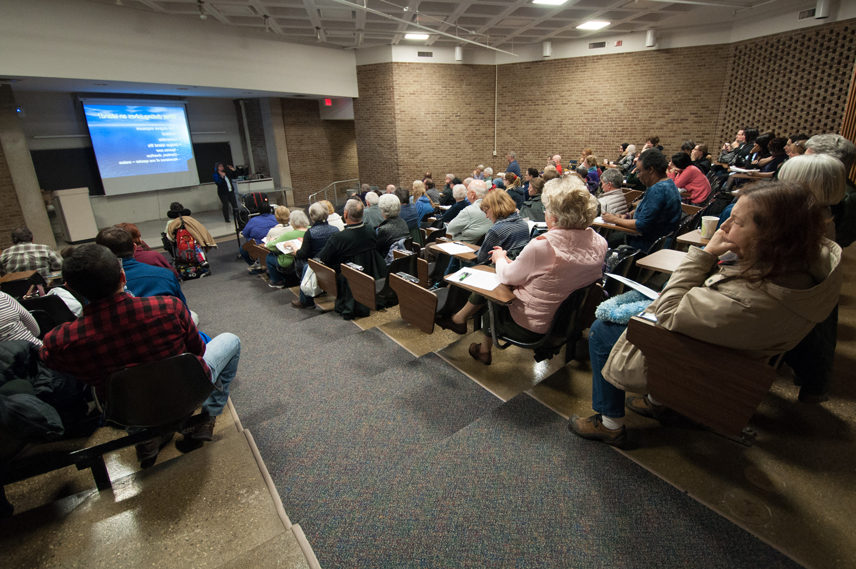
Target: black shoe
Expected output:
[205,431]
[147,452]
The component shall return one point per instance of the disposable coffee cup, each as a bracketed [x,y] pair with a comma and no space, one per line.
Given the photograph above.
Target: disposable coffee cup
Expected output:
[708,226]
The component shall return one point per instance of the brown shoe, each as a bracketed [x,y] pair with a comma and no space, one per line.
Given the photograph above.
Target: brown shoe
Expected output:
[643,406]
[475,353]
[449,324]
[205,431]
[297,304]
[592,428]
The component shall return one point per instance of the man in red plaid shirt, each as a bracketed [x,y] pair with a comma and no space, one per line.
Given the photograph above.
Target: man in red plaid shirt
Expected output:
[118,330]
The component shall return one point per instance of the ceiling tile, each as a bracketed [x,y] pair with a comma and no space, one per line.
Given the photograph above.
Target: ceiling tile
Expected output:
[471,21]
[528,12]
[653,17]
[575,14]
[485,9]
[437,7]
[615,16]
[292,23]
[287,12]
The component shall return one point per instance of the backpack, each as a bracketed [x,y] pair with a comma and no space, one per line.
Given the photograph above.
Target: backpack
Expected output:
[253,202]
[190,261]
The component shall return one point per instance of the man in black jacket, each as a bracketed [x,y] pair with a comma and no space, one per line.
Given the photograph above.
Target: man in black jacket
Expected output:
[356,238]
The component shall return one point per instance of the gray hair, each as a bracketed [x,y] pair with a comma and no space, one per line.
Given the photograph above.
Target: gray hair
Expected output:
[459,192]
[569,202]
[372,198]
[389,205]
[354,209]
[366,188]
[631,149]
[822,174]
[479,187]
[488,172]
[468,181]
[513,155]
[298,219]
[612,176]
[835,145]
[318,212]
[450,176]
[582,171]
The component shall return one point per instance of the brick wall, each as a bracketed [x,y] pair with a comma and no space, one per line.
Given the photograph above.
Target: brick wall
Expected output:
[791,82]
[375,125]
[12,216]
[319,152]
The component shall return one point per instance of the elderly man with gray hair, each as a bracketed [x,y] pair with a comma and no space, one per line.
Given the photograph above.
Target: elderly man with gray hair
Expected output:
[471,223]
[356,238]
[392,228]
[372,215]
[314,241]
[459,192]
[513,166]
[612,199]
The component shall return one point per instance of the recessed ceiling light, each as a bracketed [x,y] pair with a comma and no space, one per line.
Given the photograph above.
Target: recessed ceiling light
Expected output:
[550,2]
[416,36]
[593,25]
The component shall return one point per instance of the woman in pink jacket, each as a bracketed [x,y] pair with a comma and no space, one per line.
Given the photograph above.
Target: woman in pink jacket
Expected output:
[693,184]
[568,257]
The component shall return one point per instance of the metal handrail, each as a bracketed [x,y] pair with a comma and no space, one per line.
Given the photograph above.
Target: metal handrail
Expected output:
[313,197]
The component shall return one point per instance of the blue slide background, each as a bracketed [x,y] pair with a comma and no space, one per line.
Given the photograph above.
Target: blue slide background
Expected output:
[123,149]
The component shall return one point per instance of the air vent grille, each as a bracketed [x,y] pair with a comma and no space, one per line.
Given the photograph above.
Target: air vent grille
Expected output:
[425,53]
[807,14]
[597,44]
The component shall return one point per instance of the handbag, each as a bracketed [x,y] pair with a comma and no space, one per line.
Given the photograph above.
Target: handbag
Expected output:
[309,283]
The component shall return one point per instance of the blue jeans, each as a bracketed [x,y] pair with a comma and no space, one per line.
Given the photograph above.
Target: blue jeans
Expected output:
[606,399]
[274,271]
[221,354]
[246,256]
[304,300]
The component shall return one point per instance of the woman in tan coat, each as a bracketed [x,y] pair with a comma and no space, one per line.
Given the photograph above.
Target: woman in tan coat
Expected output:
[766,278]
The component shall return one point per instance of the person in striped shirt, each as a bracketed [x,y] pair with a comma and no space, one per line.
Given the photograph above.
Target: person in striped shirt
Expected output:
[16,323]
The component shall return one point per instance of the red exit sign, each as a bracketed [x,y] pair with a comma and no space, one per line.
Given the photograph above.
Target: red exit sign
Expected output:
[328,102]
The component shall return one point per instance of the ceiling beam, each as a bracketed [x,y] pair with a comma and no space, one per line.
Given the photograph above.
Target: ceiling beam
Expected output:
[262,13]
[312,12]
[450,20]
[151,4]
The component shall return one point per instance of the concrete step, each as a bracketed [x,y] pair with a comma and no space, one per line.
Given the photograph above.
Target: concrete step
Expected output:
[212,507]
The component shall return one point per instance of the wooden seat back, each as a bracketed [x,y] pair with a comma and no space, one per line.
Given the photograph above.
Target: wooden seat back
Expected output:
[417,305]
[718,387]
[690,209]
[362,286]
[631,195]
[326,277]
[257,252]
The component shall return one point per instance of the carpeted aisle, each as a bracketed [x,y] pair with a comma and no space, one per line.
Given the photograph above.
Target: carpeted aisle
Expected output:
[387,460]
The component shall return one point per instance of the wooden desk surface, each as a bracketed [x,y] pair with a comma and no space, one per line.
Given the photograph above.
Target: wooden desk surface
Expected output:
[500,295]
[693,238]
[464,256]
[17,276]
[664,261]
[605,225]
[749,176]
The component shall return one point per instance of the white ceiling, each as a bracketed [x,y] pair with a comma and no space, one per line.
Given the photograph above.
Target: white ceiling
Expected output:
[498,23]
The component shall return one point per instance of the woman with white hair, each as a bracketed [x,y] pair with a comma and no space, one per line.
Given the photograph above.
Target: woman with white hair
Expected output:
[313,242]
[281,213]
[552,266]
[280,264]
[392,228]
[625,163]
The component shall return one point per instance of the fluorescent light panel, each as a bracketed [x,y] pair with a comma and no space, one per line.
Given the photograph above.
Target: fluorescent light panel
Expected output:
[550,2]
[593,25]
[416,36]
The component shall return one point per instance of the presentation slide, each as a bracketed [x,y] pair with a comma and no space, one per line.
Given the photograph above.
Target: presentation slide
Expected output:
[141,147]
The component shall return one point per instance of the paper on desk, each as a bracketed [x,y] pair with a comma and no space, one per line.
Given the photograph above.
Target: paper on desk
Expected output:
[742,170]
[284,248]
[598,219]
[454,249]
[444,207]
[636,286]
[478,279]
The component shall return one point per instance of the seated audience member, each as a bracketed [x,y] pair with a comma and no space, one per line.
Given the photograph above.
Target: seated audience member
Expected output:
[689,179]
[593,175]
[432,192]
[533,208]
[356,238]
[372,215]
[392,228]
[558,160]
[427,177]
[72,301]
[513,166]
[364,190]
[795,149]
[550,173]
[759,154]
[16,323]
[622,149]
[687,147]
[498,183]
[448,198]
[390,189]
[552,266]
[467,182]
[255,230]
[181,216]
[424,207]
[625,163]
[408,210]
[812,359]
[471,223]
[278,263]
[612,199]
[514,189]
[118,330]
[508,232]
[585,154]
[313,242]
[478,173]
[778,156]
[659,212]
[699,158]
[488,175]
[24,255]
[282,215]
[141,279]
[583,172]
[460,194]
[333,218]
[784,278]
[145,255]
[530,173]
